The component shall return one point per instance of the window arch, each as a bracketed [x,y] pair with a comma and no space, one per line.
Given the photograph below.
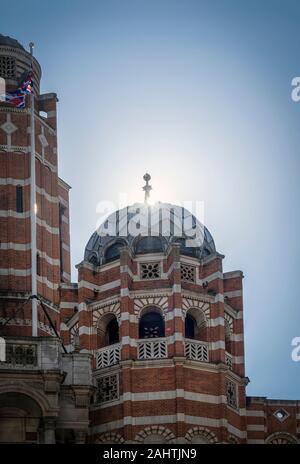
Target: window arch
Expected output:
[108,330]
[113,251]
[151,324]
[149,245]
[195,325]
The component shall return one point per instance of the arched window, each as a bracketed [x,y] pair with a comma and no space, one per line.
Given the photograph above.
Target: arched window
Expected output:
[195,325]
[113,252]
[190,326]
[108,330]
[112,332]
[151,324]
[149,245]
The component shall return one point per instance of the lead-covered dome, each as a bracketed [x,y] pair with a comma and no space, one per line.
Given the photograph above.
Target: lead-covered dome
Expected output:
[10,42]
[149,229]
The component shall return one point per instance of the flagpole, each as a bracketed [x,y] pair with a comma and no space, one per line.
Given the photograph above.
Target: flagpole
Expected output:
[33,210]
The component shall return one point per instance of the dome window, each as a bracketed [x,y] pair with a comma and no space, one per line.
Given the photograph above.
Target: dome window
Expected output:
[149,245]
[113,252]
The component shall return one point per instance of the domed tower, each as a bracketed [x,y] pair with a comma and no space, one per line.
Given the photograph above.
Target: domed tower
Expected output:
[164,325]
[52,204]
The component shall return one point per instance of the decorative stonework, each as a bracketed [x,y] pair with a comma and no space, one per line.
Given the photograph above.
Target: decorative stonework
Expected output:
[229,320]
[8,127]
[188,273]
[113,308]
[159,301]
[281,414]
[7,67]
[156,430]
[200,433]
[43,140]
[109,437]
[232,440]
[195,303]
[281,438]
[107,388]
[150,271]
[231,394]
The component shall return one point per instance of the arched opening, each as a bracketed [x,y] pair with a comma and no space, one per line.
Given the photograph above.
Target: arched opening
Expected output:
[149,245]
[113,251]
[195,325]
[20,419]
[108,331]
[151,324]
[190,326]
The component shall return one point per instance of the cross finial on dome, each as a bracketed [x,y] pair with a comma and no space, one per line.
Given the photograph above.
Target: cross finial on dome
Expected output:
[147,188]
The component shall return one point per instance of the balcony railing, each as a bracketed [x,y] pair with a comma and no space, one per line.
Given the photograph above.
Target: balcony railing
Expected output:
[196,350]
[152,348]
[108,356]
[228,360]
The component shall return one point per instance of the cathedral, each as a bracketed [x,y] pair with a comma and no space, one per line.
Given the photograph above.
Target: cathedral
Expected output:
[148,345]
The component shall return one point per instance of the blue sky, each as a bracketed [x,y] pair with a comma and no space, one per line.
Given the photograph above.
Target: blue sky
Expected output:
[198,94]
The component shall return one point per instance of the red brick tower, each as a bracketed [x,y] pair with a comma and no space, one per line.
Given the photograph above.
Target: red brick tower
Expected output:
[53,243]
[164,324]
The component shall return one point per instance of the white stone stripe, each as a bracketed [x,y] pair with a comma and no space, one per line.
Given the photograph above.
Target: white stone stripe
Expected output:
[238,359]
[63,201]
[11,213]
[237,337]
[235,431]
[219,298]
[43,223]
[66,247]
[124,292]
[15,272]
[99,288]
[233,294]
[176,312]
[45,281]
[65,219]
[11,181]
[50,198]
[214,276]
[53,261]
[252,413]
[298,416]
[25,215]
[255,427]
[176,288]
[67,304]
[66,275]
[84,330]
[219,345]
[126,270]
[15,246]
[217,321]
[25,182]
[128,317]
[27,247]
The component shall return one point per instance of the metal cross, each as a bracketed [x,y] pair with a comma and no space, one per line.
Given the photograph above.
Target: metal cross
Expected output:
[147,188]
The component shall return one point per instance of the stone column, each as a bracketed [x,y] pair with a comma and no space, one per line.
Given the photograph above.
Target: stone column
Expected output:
[49,431]
[80,437]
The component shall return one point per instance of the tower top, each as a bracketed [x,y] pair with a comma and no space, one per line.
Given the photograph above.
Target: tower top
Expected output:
[147,188]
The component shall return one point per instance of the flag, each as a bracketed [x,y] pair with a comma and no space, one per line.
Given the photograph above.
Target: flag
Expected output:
[17,98]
